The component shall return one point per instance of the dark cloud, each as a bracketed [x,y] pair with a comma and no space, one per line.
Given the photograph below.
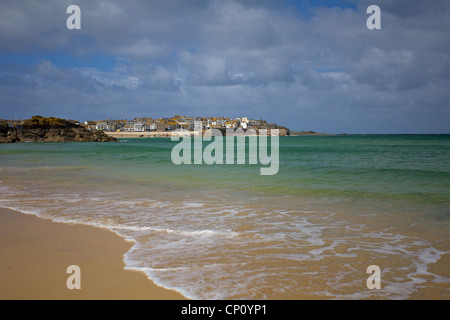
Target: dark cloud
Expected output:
[316,69]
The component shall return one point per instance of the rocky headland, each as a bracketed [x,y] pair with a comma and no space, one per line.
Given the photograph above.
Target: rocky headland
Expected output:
[41,129]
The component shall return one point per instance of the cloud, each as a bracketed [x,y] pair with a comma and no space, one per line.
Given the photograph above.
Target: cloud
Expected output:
[303,66]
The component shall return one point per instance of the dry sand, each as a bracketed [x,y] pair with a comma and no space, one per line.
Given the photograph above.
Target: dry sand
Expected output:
[145,134]
[35,254]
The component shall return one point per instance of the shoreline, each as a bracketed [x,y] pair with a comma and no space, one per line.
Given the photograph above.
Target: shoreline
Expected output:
[158,134]
[144,134]
[35,253]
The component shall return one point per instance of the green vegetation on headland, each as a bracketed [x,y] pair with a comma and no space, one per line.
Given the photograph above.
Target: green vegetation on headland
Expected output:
[51,129]
[47,123]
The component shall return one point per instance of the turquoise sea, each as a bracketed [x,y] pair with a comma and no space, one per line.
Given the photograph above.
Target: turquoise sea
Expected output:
[337,205]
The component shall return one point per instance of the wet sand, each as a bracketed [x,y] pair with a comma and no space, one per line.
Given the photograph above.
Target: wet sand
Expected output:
[35,254]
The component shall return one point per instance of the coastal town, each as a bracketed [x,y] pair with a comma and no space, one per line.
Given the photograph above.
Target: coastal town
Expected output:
[49,129]
[177,123]
[166,127]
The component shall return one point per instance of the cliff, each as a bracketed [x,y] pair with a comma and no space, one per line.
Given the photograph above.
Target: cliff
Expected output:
[40,129]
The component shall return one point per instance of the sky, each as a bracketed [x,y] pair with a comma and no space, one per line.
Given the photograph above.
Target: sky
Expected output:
[306,65]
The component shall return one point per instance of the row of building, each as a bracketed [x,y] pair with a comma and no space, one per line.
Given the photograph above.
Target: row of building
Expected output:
[176,123]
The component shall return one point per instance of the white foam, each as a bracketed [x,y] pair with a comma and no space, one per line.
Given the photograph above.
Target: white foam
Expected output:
[124,227]
[164,284]
[178,244]
[193,204]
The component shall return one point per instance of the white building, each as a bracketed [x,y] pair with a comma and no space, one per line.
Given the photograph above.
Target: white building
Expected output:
[198,125]
[102,125]
[128,126]
[139,127]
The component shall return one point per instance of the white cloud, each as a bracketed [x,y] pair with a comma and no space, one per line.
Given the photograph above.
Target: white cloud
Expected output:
[327,71]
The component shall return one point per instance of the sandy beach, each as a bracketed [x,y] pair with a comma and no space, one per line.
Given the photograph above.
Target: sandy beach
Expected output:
[146,134]
[35,254]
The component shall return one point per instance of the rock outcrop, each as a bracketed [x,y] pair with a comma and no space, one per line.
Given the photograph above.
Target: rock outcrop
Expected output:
[40,129]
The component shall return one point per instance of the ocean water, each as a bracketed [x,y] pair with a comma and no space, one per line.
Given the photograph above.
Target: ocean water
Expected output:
[337,205]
